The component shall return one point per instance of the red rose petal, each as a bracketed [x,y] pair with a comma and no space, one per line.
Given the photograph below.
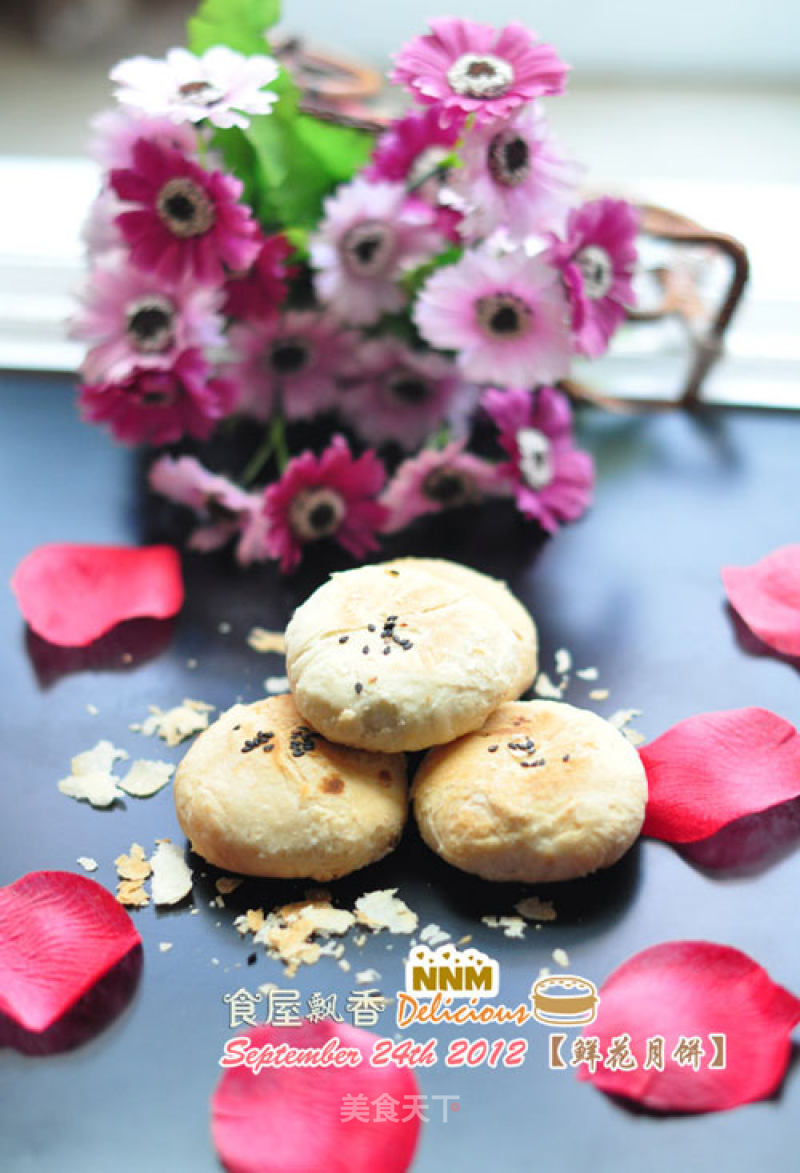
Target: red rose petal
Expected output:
[289,1119]
[767,596]
[70,595]
[59,934]
[716,767]
[695,989]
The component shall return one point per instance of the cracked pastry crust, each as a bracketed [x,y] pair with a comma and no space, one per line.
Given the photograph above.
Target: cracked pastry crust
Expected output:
[262,794]
[407,654]
[544,791]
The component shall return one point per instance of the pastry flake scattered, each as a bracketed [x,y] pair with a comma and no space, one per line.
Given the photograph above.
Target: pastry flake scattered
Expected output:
[599,694]
[262,640]
[145,778]
[622,720]
[227,884]
[512,926]
[561,957]
[172,877]
[87,863]
[276,684]
[177,724]
[383,910]
[545,688]
[93,777]
[532,908]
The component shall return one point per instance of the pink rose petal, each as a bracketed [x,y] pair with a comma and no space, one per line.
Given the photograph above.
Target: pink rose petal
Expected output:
[290,1119]
[72,594]
[694,989]
[767,596]
[716,767]
[59,934]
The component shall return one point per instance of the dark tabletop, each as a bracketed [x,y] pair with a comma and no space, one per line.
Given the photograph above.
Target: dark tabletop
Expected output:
[633,589]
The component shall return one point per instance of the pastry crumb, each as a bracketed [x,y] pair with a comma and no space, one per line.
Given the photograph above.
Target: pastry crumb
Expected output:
[434,935]
[177,724]
[172,876]
[365,976]
[512,926]
[532,908]
[599,694]
[92,710]
[87,863]
[261,640]
[344,964]
[587,673]
[227,884]
[563,662]
[145,778]
[224,628]
[276,684]
[383,910]
[545,688]
[164,946]
[561,957]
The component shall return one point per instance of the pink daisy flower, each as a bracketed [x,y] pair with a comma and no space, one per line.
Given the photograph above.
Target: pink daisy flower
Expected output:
[505,315]
[228,511]
[160,406]
[515,176]
[552,480]
[370,234]
[294,359]
[327,496]
[100,231]
[401,394]
[414,146]
[436,480]
[596,261]
[186,221]
[222,87]
[115,132]
[133,320]
[261,291]
[477,69]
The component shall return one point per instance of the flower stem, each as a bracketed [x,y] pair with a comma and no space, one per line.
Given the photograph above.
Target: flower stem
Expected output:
[277,431]
[257,460]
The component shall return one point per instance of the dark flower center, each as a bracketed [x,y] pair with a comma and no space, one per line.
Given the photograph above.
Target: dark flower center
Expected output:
[316,513]
[155,389]
[202,93]
[480,75]
[185,208]
[289,356]
[447,487]
[597,270]
[504,316]
[150,324]
[408,388]
[509,158]
[368,248]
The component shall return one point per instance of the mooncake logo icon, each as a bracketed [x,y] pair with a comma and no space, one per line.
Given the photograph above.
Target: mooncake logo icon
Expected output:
[466,973]
[564,1000]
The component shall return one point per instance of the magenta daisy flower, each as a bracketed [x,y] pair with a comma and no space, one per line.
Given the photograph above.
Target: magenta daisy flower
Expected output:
[413,147]
[477,69]
[400,394]
[596,261]
[185,221]
[436,480]
[327,496]
[227,511]
[294,359]
[133,320]
[115,132]
[552,480]
[222,87]
[160,406]
[261,291]
[370,234]
[514,176]
[505,315]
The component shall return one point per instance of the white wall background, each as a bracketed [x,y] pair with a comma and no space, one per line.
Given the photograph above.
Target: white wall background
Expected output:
[700,38]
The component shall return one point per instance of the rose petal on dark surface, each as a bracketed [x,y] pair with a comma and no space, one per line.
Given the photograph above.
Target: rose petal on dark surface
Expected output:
[713,768]
[767,596]
[290,1119]
[59,934]
[688,989]
[122,649]
[71,594]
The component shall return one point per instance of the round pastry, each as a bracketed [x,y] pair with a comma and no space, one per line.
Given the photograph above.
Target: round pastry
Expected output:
[544,791]
[261,793]
[407,654]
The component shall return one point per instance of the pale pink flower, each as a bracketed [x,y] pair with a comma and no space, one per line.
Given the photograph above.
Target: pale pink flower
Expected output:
[439,479]
[552,480]
[114,133]
[515,176]
[596,261]
[293,360]
[474,68]
[400,394]
[505,316]
[327,496]
[226,510]
[131,319]
[100,231]
[160,406]
[370,234]
[183,220]
[222,87]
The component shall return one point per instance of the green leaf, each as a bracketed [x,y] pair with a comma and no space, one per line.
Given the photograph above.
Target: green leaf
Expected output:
[239,24]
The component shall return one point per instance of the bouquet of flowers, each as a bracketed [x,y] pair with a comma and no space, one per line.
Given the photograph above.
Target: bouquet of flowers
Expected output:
[249,259]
